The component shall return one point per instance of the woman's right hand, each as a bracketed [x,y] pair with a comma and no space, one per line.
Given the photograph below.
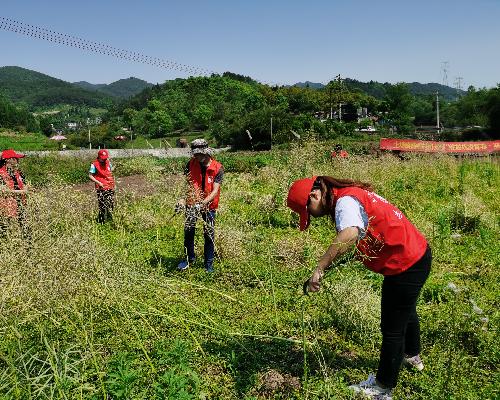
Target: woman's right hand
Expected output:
[315,280]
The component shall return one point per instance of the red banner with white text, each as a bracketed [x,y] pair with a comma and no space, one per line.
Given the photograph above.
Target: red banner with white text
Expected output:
[425,146]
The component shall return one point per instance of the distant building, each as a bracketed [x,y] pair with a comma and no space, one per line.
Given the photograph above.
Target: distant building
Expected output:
[94,121]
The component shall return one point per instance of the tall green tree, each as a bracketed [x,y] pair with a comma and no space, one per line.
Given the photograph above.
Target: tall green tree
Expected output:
[399,102]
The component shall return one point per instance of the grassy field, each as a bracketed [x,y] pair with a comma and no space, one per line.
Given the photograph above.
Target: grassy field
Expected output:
[100,312]
[26,141]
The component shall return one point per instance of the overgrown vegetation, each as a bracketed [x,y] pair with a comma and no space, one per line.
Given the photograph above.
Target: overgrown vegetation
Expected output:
[236,110]
[101,312]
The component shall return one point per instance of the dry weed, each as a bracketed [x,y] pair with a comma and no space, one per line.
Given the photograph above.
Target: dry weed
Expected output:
[230,243]
[354,306]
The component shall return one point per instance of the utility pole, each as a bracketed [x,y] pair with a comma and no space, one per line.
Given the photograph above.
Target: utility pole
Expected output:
[88,128]
[331,101]
[271,132]
[438,125]
[339,80]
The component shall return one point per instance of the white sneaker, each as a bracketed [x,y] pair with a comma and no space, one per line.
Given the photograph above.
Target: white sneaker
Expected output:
[414,362]
[372,390]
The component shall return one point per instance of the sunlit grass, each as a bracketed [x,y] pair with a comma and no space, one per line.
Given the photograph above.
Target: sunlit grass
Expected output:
[93,311]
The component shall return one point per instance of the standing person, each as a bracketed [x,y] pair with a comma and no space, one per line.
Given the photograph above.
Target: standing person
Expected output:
[387,243]
[101,173]
[204,175]
[13,192]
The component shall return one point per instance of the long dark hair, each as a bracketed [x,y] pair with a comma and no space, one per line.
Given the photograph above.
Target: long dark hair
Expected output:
[327,183]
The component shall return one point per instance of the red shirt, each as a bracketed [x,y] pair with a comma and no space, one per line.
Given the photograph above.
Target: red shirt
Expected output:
[104,175]
[392,244]
[195,177]
[9,205]
[340,154]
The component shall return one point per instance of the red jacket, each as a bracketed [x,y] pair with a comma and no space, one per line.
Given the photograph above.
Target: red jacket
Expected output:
[392,243]
[195,179]
[340,154]
[104,175]
[8,204]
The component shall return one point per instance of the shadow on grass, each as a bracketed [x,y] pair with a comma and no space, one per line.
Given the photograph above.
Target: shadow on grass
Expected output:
[166,263]
[249,359]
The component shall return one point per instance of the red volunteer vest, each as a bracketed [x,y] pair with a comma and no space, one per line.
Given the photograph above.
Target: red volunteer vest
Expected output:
[392,243]
[341,154]
[104,175]
[195,179]
[8,205]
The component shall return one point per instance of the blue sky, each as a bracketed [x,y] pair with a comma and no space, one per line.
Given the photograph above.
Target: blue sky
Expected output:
[273,41]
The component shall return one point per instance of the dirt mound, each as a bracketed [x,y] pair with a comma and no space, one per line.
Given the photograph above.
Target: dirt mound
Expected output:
[273,382]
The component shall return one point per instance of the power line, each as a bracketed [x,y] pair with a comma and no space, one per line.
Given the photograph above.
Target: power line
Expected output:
[34,31]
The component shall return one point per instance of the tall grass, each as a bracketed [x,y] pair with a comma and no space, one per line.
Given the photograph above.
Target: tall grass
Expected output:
[93,311]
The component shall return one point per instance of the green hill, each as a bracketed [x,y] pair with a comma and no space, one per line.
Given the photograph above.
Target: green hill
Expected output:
[123,88]
[39,90]
[378,90]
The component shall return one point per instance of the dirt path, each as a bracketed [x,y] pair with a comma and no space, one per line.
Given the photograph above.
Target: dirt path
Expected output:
[136,185]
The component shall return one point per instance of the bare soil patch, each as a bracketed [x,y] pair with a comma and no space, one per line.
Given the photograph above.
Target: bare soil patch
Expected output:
[135,185]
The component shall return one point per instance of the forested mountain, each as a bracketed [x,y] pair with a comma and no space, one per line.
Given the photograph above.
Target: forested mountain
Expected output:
[123,88]
[40,90]
[379,90]
[310,85]
[16,117]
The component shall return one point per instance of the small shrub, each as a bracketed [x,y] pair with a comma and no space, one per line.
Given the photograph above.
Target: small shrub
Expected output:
[121,376]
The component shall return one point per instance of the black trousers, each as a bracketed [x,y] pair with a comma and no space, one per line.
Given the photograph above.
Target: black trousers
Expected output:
[399,324]
[106,203]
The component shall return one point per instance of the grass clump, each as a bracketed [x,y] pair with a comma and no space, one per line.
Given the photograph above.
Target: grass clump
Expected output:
[353,307]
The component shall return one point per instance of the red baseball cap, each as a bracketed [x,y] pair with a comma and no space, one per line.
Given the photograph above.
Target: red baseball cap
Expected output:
[103,154]
[298,197]
[10,153]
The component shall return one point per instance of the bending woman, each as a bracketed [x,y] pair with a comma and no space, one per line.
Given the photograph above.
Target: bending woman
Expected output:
[387,243]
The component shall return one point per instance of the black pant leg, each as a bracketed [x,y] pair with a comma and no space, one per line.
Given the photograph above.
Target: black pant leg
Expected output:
[399,319]
[105,201]
[412,335]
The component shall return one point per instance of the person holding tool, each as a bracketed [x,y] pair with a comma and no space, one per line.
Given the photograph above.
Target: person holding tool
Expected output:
[387,243]
[204,176]
[101,173]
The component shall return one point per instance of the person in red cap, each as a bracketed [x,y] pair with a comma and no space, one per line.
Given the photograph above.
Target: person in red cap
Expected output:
[101,173]
[387,243]
[13,192]
[339,152]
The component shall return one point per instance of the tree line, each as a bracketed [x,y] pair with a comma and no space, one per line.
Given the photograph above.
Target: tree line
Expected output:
[233,108]
[236,110]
